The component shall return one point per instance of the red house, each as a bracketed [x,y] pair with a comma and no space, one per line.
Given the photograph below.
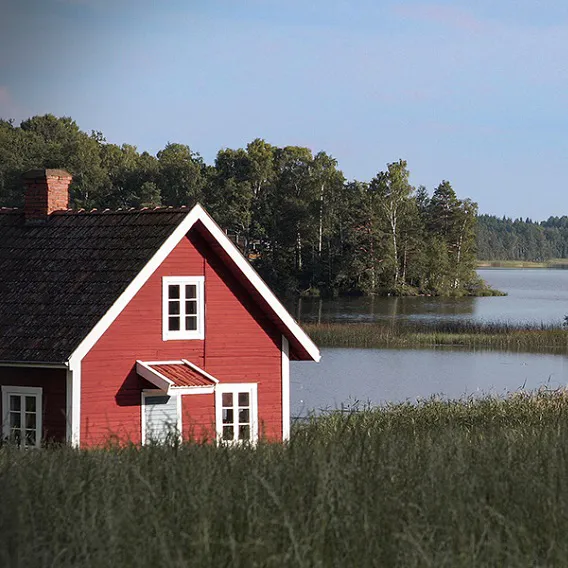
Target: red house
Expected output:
[134,325]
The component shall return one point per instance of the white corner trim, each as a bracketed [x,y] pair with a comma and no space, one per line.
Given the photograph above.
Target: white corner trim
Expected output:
[73,399]
[196,214]
[69,407]
[285,389]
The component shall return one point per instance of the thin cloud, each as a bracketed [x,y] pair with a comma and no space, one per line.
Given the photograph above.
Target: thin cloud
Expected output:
[7,106]
[451,16]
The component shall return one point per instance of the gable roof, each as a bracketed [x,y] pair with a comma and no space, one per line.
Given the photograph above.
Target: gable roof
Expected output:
[59,278]
[64,282]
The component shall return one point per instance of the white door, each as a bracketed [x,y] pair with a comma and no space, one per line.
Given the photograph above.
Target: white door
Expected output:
[161,418]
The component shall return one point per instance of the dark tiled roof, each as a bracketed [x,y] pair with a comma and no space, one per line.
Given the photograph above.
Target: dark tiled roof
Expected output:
[59,278]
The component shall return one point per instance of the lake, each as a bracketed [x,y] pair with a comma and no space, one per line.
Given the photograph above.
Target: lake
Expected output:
[378,376]
[534,295]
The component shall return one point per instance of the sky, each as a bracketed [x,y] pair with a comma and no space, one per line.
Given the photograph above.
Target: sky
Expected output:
[474,92]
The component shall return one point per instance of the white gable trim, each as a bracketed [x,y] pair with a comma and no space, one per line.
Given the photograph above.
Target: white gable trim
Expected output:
[259,284]
[196,214]
[139,280]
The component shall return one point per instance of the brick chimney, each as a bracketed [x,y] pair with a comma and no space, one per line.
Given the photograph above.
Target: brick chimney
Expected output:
[46,191]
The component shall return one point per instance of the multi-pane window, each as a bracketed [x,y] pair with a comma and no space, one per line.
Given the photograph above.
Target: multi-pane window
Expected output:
[183,308]
[21,410]
[236,413]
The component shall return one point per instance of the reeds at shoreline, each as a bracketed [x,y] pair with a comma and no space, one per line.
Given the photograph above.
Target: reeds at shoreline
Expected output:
[471,335]
[471,483]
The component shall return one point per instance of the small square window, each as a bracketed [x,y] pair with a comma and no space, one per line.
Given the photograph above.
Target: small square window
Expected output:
[183,308]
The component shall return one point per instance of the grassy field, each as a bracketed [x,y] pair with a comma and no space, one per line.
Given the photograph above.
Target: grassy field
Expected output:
[476,483]
[521,338]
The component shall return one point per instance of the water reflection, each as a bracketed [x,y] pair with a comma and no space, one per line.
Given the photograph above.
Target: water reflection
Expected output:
[368,309]
[378,376]
[534,295]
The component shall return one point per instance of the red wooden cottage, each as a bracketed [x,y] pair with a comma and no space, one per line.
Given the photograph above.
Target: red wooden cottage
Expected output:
[134,325]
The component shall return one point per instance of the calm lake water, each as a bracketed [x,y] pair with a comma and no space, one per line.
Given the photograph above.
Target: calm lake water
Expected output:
[377,376]
[534,295]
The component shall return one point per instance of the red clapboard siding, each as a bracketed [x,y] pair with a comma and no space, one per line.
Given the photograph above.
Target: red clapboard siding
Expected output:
[241,345]
[53,384]
[198,417]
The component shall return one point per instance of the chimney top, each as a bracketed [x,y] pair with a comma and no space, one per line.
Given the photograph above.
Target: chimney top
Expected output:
[47,190]
[46,173]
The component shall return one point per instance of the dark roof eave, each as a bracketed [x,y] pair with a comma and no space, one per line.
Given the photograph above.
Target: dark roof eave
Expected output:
[46,364]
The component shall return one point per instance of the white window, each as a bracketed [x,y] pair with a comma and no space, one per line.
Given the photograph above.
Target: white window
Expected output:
[183,308]
[21,415]
[236,412]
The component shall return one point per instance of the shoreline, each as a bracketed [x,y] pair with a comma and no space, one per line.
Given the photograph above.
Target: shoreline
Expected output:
[500,337]
[559,263]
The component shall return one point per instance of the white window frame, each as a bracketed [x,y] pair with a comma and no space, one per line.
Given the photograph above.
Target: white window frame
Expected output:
[157,392]
[235,388]
[36,392]
[182,281]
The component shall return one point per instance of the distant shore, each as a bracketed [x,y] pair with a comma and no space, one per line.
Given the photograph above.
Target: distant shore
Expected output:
[552,263]
[467,335]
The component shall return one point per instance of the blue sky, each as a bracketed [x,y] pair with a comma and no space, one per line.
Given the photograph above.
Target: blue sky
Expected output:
[474,92]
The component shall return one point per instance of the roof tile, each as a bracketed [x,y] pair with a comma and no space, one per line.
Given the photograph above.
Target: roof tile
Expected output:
[58,278]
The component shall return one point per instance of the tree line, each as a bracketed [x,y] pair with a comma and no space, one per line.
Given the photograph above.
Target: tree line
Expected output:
[306,228]
[518,239]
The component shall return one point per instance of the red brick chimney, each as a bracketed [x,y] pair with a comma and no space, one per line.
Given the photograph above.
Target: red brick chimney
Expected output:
[46,191]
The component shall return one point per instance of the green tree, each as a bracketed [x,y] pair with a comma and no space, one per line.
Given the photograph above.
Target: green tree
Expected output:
[393,192]
[182,175]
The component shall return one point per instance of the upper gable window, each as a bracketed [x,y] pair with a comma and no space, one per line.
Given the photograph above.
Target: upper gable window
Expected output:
[183,308]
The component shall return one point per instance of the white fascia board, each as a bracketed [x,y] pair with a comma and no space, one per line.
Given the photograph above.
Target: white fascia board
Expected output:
[253,277]
[151,375]
[139,280]
[200,370]
[196,214]
[192,390]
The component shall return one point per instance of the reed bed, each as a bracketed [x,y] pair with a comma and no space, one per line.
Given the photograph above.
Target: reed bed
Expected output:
[471,483]
[501,336]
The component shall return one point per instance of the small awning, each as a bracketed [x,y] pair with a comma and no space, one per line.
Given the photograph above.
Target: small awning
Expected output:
[182,377]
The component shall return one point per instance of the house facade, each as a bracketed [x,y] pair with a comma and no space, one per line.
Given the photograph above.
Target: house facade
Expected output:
[135,326]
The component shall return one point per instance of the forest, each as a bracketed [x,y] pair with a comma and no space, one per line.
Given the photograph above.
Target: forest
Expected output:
[508,239]
[306,228]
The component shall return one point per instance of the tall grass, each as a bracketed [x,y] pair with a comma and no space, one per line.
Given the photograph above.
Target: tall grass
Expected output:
[503,336]
[475,483]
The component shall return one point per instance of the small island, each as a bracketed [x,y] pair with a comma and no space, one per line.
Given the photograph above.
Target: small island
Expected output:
[307,229]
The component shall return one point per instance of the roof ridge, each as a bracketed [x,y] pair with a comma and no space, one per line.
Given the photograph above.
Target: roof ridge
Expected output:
[122,211]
